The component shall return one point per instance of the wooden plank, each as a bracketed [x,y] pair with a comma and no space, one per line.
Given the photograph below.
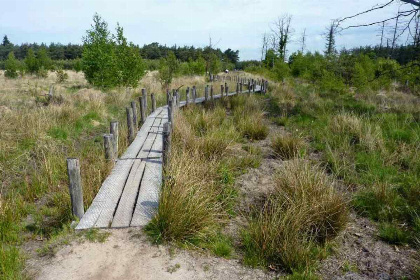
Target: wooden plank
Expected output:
[138,142]
[115,182]
[106,216]
[148,198]
[127,201]
[111,187]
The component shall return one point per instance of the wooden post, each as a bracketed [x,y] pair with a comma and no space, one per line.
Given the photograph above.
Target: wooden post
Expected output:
[142,110]
[211,93]
[108,147]
[144,93]
[113,129]
[134,107]
[254,86]
[226,88]
[75,187]
[206,93]
[51,92]
[168,95]
[130,125]
[187,96]
[249,86]
[153,102]
[166,150]
[171,111]
[237,88]
[221,90]
[194,93]
[178,99]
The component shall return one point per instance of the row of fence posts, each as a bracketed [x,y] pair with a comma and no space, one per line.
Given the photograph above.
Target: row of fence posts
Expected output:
[134,122]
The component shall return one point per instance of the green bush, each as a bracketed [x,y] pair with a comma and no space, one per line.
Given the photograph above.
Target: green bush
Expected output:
[11,66]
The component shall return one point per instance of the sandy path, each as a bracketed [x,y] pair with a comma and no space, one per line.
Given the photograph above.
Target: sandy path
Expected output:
[127,254]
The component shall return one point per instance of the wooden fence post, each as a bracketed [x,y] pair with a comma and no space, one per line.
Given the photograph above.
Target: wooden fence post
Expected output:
[134,107]
[194,93]
[249,86]
[226,88]
[108,147]
[171,111]
[153,102]
[166,150]
[187,96]
[237,88]
[130,125]
[75,187]
[113,129]
[211,93]
[221,90]
[168,96]
[142,110]
[240,87]
[144,93]
[206,93]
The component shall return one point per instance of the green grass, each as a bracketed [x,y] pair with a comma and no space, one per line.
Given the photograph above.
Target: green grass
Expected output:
[375,151]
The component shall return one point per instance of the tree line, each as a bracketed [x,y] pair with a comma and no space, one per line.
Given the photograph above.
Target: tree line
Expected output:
[153,51]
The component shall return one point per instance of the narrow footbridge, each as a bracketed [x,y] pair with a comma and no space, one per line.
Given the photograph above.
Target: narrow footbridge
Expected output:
[129,196]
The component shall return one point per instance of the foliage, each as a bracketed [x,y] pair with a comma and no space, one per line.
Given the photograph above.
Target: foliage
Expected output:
[11,66]
[61,76]
[99,55]
[168,69]
[109,60]
[31,62]
[129,63]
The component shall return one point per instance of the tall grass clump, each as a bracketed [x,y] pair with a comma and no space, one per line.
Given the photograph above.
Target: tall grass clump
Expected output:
[198,195]
[287,147]
[249,117]
[296,220]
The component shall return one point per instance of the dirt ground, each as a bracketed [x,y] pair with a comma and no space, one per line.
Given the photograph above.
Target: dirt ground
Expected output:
[127,254]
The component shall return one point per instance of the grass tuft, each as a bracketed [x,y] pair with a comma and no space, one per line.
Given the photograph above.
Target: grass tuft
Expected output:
[287,147]
[304,212]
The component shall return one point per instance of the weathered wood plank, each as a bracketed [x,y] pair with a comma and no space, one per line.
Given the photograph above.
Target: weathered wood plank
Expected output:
[125,208]
[148,198]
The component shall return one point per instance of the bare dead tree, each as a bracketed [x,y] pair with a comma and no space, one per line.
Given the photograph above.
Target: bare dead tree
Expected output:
[411,12]
[382,31]
[330,35]
[394,32]
[303,41]
[282,31]
[264,47]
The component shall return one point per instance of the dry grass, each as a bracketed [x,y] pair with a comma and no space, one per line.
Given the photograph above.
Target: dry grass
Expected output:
[36,138]
[199,194]
[287,147]
[304,212]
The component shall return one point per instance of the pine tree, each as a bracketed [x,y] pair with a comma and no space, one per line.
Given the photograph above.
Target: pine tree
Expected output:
[11,66]
[6,41]
[43,59]
[31,62]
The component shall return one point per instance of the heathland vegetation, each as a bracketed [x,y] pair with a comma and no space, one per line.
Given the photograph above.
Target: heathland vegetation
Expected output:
[350,146]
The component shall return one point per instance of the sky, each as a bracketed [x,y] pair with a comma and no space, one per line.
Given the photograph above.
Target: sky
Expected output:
[235,24]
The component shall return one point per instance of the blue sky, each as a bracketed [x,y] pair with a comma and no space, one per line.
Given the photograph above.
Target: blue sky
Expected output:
[232,23]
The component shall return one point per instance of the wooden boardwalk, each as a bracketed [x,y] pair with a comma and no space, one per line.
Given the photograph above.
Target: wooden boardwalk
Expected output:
[129,195]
